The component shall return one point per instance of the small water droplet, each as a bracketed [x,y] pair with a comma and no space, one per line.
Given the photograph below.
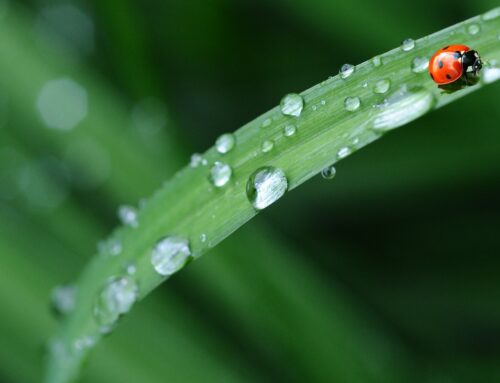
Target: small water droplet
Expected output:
[408,45]
[84,343]
[355,141]
[267,122]
[402,107]
[63,299]
[473,29]
[346,70]
[490,15]
[115,299]
[128,216]
[490,74]
[323,102]
[203,237]
[419,64]
[111,247]
[314,108]
[220,174]
[343,152]
[352,103]
[267,146]
[329,172]
[130,268]
[170,254]
[197,160]
[225,143]
[382,86]
[289,130]
[376,61]
[265,186]
[292,105]
[364,84]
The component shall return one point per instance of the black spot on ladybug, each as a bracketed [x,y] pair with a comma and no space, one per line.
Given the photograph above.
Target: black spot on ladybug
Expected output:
[448,76]
[440,64]
[432,76]
[445,48]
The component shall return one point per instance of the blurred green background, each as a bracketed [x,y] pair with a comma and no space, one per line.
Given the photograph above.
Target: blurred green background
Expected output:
[388,273]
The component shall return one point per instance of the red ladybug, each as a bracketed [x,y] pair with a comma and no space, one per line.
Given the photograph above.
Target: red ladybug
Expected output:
[453,63]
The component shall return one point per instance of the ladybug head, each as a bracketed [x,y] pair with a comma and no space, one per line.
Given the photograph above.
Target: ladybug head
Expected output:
[471,63]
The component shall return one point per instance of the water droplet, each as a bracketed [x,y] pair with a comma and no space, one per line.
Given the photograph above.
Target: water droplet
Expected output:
[352,103]
[115,299]
[170,254]
[381,86]
[419,64]
[267,146]
[314,108]
[323,102]
[265,186]
[197,160]
[62,104]
[111,247]
[408,45]
[364,84]
[346,70]
[490,15]
[130,268]
[63,299]
[376,61]
[203,237]
[267,122]
[490,74]
[84,343]
[473,29]
[225,143]
[402,107]
[355,141]
[292,105]
[128,216]
[289,130]
[329,172]
[343,152]
[220,174]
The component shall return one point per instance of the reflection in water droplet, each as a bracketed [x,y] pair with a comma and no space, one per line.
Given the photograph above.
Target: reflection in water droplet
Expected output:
[352,103]
[329,172]
[115,299]
[346,70]
[408,45]
[220,174]
[419,64]
[225,143]
[381,86]
[62,104]
[473,29]
[402,107]
[63,299]
[343,152]
[170,254]
[128,215]
[292,105]
[490,15]
[267,146]
[265,186]
[289,130]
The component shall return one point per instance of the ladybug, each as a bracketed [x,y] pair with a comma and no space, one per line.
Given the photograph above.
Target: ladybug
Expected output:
[455,64]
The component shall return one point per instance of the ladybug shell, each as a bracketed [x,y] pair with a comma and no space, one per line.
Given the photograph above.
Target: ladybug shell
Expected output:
[445,66]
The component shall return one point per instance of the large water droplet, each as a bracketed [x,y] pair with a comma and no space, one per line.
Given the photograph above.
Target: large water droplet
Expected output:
[419,64]
[382,86]
[329,172]
[62,104]
[289,130]
[352,103]
[408,45]
[292,105]
[115,299]
[220,174]
[343,152]
[170,254]
[402,107]
[265,186]
[267,146]
[128,215]
[225,143]
[346,70]
[63,299]
[490,74]
[473,29]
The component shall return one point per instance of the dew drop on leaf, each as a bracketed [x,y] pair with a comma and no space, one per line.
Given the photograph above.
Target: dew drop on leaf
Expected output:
[220,174]
[292,105]
[352,103]
[225,143]
[170,254]
[265,186]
